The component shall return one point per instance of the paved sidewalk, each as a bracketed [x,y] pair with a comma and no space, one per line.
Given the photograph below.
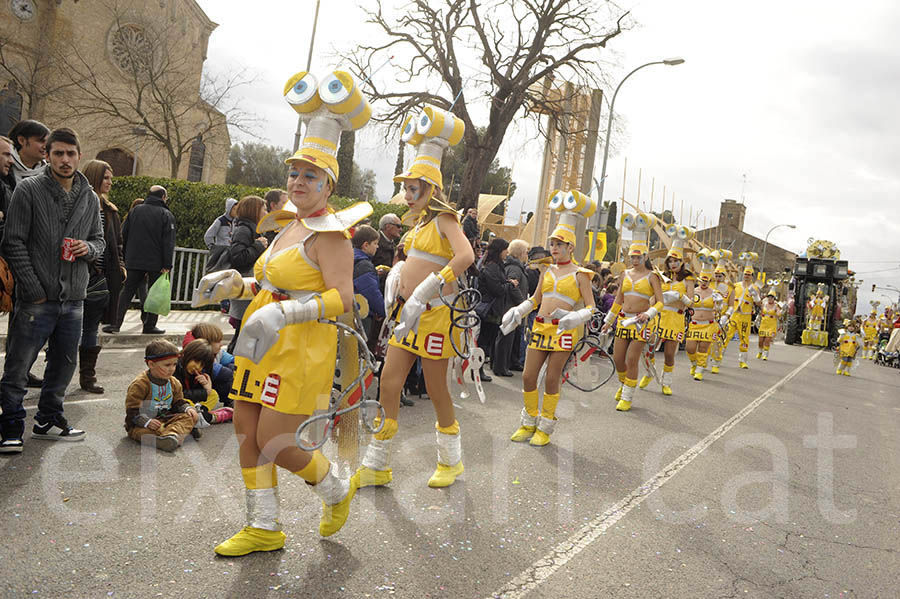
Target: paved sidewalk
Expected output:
[176,324]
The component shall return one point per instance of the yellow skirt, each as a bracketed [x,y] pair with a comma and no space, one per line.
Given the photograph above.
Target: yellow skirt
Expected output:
[768,327]
[296,375]
[632,331]
[671,325]
[870,336]
[544,337]
[703,331]
[432,340]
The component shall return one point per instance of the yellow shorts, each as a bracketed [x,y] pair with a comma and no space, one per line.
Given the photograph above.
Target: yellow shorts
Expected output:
[671,325]
[544,337]
[632,331]
[432,340]
[296,375]
[703,331]
[768,327]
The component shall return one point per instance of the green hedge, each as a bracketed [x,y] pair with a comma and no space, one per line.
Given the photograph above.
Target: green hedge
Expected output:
[195,205]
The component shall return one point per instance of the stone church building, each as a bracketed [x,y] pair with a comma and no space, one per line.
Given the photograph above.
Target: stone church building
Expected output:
[116,73]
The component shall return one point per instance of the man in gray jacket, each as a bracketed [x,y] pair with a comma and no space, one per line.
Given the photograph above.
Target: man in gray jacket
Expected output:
[52,232]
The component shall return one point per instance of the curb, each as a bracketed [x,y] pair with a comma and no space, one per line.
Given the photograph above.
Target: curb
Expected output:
[136,340]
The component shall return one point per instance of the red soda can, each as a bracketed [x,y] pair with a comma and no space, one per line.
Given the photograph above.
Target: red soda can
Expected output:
[67,253]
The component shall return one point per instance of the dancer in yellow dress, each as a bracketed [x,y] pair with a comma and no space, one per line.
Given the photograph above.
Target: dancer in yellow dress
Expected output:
[849,343]
[723,286]
[769,312]
[703,328]
[565,302]
[285,358]
[437,252]
[637,303]
[738,316]
[678,295]
[870,335]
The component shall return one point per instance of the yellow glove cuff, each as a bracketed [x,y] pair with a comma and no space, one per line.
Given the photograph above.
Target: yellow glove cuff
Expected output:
[447,274]
[615,308]
[658,306]
[331,304]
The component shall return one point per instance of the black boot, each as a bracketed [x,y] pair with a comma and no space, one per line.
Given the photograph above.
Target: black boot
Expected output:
[87,369]
[484,377]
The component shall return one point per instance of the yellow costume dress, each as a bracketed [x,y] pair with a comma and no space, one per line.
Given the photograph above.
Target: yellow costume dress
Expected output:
[431,340]
[848,345]
[768,323]
[740,318]
[543,332]
[640,288]
[870,334]
[704,331]
[296,375]
[671,319]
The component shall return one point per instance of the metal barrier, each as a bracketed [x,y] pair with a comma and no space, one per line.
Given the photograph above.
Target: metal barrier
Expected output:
[187,270]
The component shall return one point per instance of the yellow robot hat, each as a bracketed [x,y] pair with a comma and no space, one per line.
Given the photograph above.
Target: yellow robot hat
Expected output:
[571,206]
[431,132]
[747,259]
[639,224]
[707,261]
[722,256]
[328,108]
[680,235]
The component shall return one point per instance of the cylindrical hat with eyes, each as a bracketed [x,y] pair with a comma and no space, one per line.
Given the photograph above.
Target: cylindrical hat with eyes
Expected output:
[722,259]
[748,259]
[680,235]
[707,261]
[328,108]
[640,225]
[431,132]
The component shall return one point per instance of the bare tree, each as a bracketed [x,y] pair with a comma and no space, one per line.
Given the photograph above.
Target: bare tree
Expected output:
[33,75]
[520,46]
[159,93]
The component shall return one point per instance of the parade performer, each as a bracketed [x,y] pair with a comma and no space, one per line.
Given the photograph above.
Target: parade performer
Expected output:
[677,293]
[637,303]
[769,312]
[870,334]
[723,287]
[565,302]
[848,344]
[284,356]
[738,316]
[418,289]
[704,327]
[817,305]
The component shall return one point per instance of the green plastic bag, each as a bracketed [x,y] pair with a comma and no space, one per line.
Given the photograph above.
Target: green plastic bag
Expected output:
[159,297]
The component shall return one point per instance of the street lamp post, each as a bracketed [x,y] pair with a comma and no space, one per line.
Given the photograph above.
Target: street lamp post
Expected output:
[668,61]
[762,265]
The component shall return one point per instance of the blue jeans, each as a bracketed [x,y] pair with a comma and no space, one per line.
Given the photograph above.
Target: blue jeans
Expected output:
[58,324]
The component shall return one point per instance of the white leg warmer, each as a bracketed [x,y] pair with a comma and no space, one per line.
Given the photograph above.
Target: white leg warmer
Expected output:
[449,448]
[331,489]
[262,508]
[378,454]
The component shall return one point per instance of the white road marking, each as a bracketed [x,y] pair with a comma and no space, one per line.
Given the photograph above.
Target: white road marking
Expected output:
[562,553]
[111,350]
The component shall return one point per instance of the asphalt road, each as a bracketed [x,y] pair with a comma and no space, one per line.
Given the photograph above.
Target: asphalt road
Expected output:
[780,481]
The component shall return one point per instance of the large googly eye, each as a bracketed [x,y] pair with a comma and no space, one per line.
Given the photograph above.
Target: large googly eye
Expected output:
[641,221]
[334,89]
[301,92]
[424,123]
[556,202]
[672,230]
[628,220]
[410,135]
[683,233]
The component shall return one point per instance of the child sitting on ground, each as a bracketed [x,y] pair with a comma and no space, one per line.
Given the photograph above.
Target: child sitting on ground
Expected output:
[194,372]
[222,373]
[154,403]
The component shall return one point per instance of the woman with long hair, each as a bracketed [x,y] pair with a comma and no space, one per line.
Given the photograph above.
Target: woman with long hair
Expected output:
[678,293]
[285,356]
[437,252]
[245,249]
[496,289]
[564,301]
[637,303]
[769,311]
[106,277]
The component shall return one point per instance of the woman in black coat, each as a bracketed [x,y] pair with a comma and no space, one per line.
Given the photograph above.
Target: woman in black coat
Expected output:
[496,297]
[506,357]
[245,249]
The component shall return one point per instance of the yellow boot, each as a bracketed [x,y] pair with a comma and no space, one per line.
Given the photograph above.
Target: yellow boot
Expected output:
[263,530]
[449,456]
[336,495]
[627,394]
[759,355]
[618,394]
[529,417]
[645,380]
[667,380]
[547,421]
[525,432]
[374,471]
[742,359]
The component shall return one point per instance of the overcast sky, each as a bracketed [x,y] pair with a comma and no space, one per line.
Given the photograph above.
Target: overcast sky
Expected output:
[802,97]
